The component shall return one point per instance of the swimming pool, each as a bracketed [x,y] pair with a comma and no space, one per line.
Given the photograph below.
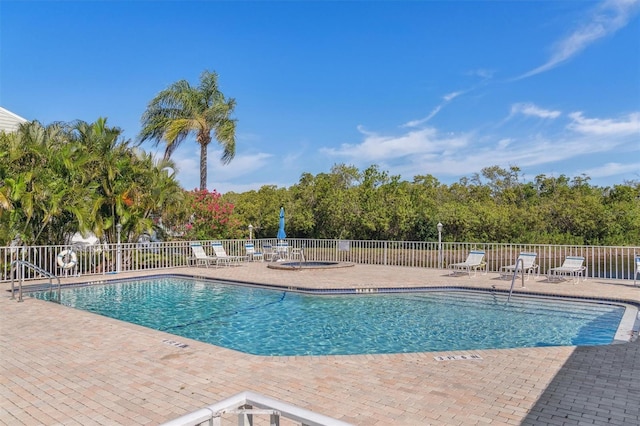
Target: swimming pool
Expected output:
[263,321]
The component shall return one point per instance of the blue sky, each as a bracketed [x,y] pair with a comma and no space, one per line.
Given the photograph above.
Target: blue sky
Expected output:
[417,87]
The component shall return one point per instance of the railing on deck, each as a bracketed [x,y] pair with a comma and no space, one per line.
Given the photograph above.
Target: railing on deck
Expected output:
[247,404]
[601,262]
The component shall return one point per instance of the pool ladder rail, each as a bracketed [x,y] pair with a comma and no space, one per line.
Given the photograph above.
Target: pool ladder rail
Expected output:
[515,274]
[15,267]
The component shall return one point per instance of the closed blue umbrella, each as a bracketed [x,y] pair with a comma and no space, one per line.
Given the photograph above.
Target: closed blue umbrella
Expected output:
[281,234]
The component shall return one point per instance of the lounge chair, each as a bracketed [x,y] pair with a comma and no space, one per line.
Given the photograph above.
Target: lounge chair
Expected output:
[573,266]
[475,261]
[636,270]
[222,256]
[528,266]
[201,257]
[252,254]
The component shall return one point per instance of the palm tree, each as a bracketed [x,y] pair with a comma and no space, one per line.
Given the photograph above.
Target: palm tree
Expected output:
[43,194]
[182,109]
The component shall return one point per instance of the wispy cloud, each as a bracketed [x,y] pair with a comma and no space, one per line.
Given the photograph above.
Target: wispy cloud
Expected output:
[614,169]
[187,159]
[376,147]
[445,100]
[627,125]
[533,110]
[428,150]
[607,18]
[416,123]
[450,96]
[484,74]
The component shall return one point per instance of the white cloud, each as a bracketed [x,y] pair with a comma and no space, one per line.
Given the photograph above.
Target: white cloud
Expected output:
[377,147]
[188,165]
[241,165]
[629,125]
[608,17]
[533,110]
[504,143]
[187,159]
[482,73]
[417,123]
[228,186]
[614,169]
[448,97]
[418,152]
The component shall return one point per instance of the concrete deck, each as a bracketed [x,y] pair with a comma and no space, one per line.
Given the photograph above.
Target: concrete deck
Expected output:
[63,366]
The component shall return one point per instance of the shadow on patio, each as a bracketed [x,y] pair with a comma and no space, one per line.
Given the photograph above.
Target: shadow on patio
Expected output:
[597,385]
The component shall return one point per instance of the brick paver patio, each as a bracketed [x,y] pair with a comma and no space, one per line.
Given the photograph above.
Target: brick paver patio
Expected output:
[64,366]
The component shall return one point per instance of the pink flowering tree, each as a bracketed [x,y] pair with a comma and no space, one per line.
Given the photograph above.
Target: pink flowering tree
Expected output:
[211,216]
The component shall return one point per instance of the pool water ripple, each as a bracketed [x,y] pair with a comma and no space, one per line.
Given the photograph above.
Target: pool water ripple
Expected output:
[275,322]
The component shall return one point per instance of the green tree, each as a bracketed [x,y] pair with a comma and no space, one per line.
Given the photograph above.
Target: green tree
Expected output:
[59,179]
[183,109]
[42,184]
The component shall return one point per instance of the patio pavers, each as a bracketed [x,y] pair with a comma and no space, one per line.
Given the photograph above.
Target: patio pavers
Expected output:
[64,366]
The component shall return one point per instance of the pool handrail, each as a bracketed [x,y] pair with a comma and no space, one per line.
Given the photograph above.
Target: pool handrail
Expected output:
[14,268]
[519,261]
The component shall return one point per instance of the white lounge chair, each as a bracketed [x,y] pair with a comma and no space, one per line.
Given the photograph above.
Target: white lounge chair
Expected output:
[252,254]
[201,257]
[222,256]
[528,266]
[475,261]
[573,266]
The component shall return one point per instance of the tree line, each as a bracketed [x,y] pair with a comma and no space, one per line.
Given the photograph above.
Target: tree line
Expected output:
[495,205]
[67,177]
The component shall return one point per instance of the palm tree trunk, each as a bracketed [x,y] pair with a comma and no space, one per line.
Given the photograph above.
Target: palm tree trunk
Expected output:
[203,166]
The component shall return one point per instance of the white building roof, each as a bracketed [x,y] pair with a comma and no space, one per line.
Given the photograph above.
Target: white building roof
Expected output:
[9,121]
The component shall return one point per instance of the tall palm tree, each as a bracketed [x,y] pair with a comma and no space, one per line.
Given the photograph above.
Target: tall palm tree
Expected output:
[182,109]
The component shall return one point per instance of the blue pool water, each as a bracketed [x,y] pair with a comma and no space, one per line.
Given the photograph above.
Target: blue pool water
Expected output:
[270,322]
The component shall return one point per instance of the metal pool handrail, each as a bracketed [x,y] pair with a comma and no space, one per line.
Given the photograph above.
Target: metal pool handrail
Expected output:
[515,273]
[14,267]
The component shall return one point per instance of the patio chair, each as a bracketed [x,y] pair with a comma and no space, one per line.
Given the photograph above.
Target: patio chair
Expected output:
[528,266]
[252,254]
[475,261]
[200,256]
[222,256]
[636,270]
[269,252]
[282,250]
[573,266]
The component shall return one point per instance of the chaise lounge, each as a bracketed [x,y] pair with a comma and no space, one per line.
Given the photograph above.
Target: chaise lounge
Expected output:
[200,256]
[475,261]
[525,264]
[573,266]
[222,256]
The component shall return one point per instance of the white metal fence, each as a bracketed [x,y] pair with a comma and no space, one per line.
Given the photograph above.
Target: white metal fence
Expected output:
[601,261]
